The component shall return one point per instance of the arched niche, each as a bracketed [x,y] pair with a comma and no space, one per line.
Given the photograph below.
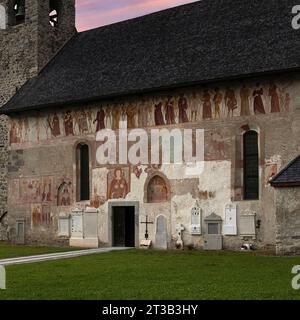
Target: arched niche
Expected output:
[157,189]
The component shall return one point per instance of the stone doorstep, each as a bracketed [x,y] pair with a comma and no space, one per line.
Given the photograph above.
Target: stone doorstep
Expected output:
[57,256]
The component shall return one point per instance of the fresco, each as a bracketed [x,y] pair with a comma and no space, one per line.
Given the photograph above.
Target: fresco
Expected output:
[40,215]
[64,194]
[183,107]
[118,182]
[30,190]
[99,191]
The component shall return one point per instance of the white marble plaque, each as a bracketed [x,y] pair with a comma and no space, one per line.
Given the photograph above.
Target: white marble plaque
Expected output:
[196,221]
[247,225]
[77,224]
[64,227]
[90,223]
[230,226]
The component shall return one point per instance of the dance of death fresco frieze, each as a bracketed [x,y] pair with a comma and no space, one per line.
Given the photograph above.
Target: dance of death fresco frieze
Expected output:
[186,106]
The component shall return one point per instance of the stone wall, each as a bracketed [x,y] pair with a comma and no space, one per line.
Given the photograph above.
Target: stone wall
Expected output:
[288,221]
[43,157]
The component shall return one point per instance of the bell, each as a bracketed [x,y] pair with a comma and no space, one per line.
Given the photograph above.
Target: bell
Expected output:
[20,12]
[20,9]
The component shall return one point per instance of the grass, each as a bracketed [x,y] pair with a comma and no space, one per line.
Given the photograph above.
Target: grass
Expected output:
[136,274]
[11,251]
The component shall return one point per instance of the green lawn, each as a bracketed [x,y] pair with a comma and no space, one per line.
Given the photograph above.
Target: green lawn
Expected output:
[138,274]
[11,251]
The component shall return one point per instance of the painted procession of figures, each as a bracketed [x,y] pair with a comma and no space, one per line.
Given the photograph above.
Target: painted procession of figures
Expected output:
[192,107]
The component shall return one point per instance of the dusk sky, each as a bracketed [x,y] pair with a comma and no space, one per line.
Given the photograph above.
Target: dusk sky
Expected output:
[96,13]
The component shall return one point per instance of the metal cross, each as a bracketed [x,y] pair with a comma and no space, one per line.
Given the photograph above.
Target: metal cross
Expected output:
[146,223]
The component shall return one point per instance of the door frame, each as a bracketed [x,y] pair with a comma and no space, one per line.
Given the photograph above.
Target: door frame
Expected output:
[111,205]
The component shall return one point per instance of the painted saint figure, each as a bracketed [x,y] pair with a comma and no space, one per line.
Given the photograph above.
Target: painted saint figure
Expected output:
[287,102]
[169,111]
[159,118]
[115,117]
[218,101]
[118,186]
[130,112]
[245,103]
[68,122]
[54,125]
[183,107]
[82,122]
[207,112]
[100,119]
[258,101]
[275,105]
[230,102]
[194,107]
[142,115]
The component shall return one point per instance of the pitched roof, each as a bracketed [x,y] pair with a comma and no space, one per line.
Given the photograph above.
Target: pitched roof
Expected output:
[203,41]
[289,176]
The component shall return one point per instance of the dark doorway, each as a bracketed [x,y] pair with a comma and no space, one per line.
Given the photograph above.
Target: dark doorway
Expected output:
[123,227]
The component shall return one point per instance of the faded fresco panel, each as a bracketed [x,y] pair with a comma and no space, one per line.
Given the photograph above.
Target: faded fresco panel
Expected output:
[118,183]
[30,190]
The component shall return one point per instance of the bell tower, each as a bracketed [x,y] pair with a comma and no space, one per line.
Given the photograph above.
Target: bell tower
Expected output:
[31,34]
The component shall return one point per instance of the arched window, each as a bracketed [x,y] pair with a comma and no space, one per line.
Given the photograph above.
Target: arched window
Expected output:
[83,172]
[251,166]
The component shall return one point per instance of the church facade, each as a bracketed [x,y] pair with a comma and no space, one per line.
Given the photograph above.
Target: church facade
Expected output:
[143,74]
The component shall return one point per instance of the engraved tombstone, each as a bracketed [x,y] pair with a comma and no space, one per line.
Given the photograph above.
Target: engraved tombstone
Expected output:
[161,233]
[20,231]
[90,227]
[230,227]
[77,223]
[213,238]
[247,225]
[196,221]
[64,226]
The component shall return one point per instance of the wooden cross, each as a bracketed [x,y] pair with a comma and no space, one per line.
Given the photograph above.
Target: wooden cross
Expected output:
[146,223]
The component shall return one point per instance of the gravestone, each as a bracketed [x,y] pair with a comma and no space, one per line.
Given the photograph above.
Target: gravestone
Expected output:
[90,227]
[77,223]
[213,239]
[230,227]
[84,228]
[64,226]
[247,225]
[196,221]
[161,240]
[20,231]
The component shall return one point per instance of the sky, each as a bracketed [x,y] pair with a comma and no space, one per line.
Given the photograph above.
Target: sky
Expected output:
[95,13]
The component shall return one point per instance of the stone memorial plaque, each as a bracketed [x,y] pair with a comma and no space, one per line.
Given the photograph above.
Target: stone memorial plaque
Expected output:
[247,225]
[90,222]
[230,226]
[196,221]
[64,227]
[77,224]
[161,241]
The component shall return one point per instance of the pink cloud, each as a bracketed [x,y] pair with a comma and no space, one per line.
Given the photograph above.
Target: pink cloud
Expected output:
[95,13]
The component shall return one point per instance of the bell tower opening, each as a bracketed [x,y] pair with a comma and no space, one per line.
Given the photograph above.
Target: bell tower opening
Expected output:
[54,13]
[17,12]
